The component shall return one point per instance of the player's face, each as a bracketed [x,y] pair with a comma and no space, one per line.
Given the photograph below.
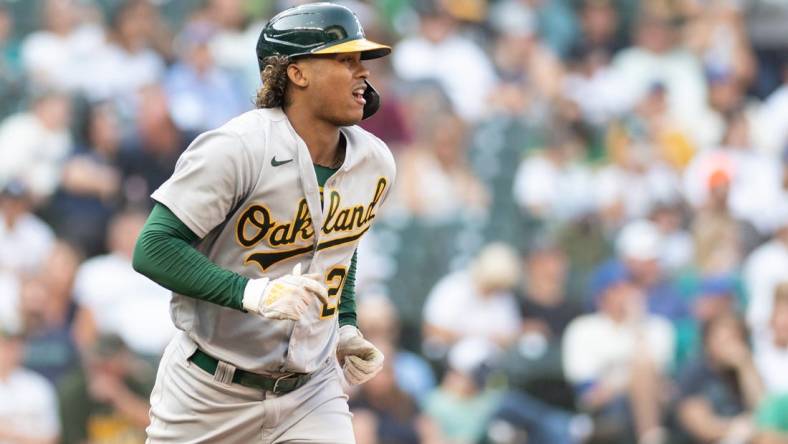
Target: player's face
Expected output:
[336,87]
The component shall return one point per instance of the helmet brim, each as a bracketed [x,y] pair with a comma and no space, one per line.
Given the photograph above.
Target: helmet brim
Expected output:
[367,48]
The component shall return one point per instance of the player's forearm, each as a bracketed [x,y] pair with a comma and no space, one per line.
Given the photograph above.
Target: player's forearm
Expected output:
[347,302]
[164,254]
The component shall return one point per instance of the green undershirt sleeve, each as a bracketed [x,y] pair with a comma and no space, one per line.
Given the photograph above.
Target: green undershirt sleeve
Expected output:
[347,302]
[165,254]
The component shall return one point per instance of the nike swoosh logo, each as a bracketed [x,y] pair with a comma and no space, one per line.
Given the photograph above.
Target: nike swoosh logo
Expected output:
[276,163]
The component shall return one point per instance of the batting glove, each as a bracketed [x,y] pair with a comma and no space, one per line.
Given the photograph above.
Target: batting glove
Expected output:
[360,359]
[286,297]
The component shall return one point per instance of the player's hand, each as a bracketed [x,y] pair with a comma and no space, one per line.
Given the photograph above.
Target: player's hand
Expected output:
[286,297]
[359,358]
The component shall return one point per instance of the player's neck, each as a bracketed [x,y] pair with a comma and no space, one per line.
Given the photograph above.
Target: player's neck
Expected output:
[321,137]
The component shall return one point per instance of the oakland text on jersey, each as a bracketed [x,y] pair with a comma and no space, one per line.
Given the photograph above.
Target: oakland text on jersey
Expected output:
[256,225]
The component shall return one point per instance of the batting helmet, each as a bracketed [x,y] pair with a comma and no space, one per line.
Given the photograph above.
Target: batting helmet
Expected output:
[319,28]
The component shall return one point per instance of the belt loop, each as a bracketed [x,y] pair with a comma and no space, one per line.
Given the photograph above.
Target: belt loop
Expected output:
[224,373]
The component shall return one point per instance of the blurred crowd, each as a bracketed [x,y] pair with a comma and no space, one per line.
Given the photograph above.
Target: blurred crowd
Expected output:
[588,241]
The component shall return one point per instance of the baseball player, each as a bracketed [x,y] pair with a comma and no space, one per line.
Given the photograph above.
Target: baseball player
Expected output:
[256,232]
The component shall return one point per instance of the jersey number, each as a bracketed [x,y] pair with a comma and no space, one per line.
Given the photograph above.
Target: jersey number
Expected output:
[335,279]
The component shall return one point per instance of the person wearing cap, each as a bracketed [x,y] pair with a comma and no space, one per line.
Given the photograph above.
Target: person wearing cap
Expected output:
[28,404]
[617,358]
[256,232]
[477,302]
[640,255]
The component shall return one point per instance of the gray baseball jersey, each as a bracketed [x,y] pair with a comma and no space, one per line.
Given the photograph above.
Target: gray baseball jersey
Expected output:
[248,189]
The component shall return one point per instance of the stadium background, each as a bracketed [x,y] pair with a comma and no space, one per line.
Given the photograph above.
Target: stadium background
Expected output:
[589,238]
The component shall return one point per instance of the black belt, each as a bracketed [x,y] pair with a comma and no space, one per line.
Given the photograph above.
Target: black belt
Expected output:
[281,385]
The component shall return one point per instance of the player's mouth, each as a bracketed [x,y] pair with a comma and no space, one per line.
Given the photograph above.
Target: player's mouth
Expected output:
[358,95]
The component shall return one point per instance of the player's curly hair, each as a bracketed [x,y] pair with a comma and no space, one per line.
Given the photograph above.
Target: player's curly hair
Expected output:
[274,75]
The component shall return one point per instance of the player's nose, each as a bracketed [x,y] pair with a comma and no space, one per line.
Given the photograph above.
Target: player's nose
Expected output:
[361,71]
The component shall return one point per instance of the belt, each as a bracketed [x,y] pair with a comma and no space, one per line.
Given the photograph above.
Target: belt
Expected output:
[281,385]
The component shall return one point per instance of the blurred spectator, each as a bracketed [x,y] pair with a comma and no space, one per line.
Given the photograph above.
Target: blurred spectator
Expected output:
[720,239]
[657,58]
[553,184]
[545,306]
[476,302]
[716,296]
[35,143]
[436,182]
[439,51]
[90,187]
[25,240]
[148,158]
[107,401]
[716,33]
[129,45]
[533,365]
[617,359]
[718,394]
[592,83]
[634,181]
[28,404]
[385,414]
[201,95]
[53,324]
[56,55]
[770,123]
[529,71]
[599,31]
[755,178]
[235,40]
[677,245]
[380,323]
[639,248]
[461,406]
[763,270]
[119,297]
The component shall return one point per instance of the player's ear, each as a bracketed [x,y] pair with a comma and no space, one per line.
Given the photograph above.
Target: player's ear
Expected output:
[297,74]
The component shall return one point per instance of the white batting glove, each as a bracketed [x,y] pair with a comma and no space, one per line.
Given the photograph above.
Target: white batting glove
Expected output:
[286,297]
[359,358]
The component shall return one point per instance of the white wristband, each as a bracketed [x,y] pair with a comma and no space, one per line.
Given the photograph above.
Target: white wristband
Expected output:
[253,293]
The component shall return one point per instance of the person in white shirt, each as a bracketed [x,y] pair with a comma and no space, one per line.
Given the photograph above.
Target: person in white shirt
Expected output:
[55,56]
[440,52]
[25,240]
[128,45]
[119,298]
[617,357]
[553,184]
[34,144]
[763,269]
[657,59]
[477,302]
[28,403]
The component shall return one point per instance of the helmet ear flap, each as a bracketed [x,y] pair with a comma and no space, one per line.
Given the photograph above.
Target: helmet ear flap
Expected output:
[372,98]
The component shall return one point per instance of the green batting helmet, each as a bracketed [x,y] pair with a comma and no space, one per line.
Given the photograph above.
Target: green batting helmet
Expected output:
[319,28]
